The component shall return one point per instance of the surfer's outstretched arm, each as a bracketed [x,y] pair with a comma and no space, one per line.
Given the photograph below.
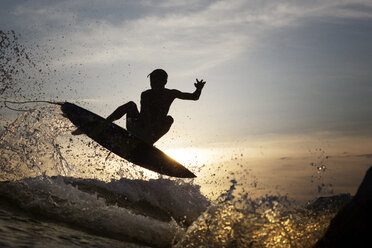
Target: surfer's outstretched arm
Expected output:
[129,108]
[191,96]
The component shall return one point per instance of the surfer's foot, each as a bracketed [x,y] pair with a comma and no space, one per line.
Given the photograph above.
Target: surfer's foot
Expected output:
[78,131]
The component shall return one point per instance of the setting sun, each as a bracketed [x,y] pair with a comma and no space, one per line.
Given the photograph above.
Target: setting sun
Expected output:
[188,156]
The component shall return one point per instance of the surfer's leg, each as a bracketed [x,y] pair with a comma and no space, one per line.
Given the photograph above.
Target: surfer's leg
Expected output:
[167,123]
[130,109]
[162,129]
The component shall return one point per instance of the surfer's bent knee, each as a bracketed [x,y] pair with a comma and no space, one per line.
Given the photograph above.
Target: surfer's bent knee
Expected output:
[169,120]
[131,105]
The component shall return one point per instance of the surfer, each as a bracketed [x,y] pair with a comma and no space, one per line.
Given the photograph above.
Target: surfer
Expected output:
[153,121]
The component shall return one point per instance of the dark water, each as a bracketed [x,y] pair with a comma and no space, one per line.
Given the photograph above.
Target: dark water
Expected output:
[19,229]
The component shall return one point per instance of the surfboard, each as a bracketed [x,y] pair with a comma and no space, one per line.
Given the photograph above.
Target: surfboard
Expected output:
[119,141]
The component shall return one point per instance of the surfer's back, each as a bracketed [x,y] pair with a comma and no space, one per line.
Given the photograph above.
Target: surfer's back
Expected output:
[155,103]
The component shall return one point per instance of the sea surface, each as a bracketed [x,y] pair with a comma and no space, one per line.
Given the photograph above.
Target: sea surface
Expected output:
[59,190]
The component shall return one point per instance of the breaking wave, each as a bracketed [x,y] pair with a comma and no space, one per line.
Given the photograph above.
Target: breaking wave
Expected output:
[47,172]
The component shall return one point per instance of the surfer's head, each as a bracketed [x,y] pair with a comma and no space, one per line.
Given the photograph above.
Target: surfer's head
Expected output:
[158,79]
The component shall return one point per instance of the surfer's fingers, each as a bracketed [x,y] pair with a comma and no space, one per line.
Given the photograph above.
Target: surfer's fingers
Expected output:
[201,81]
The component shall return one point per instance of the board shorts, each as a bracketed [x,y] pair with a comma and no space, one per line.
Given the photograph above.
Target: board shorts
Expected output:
[136,127]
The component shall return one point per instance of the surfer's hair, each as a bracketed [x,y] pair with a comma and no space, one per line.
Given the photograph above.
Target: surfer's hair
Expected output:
[158,78]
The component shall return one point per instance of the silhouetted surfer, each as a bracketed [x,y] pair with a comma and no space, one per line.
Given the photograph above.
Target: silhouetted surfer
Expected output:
[153,121]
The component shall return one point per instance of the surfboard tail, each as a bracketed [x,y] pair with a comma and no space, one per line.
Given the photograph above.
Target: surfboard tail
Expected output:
[153,159]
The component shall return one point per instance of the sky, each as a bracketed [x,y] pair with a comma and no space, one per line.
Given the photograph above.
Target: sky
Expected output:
[273,68]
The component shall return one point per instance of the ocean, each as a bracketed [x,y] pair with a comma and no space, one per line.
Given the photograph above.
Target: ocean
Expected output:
[59,190]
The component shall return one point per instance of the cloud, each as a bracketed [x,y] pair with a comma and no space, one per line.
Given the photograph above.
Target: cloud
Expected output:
[197,35]
[366,155]
[202,39]
[202,33]
[283,66]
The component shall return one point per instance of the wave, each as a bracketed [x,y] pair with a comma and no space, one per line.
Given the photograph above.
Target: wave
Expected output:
[47,172]
[154,212]
[131,211]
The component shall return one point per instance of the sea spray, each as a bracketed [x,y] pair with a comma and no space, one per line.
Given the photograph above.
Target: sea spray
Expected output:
[48,172]
[236,220]
[24,74]
[40,142]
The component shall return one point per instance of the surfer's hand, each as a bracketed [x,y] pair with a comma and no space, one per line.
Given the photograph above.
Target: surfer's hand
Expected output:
[199,84]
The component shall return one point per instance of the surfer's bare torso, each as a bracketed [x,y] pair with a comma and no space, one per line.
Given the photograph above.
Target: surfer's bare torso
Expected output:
[153,121]
[155,104]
